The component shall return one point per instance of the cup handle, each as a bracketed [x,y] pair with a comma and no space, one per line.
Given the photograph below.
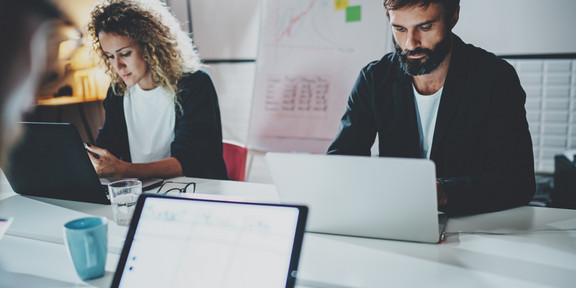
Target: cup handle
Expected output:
[91,257]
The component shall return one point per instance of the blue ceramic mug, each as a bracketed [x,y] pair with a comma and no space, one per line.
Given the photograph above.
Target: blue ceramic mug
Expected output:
[87,242]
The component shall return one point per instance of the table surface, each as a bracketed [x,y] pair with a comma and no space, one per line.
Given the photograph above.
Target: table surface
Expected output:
[522,247]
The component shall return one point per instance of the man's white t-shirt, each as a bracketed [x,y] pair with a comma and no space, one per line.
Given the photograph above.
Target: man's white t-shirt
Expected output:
[150,119]
[427,107]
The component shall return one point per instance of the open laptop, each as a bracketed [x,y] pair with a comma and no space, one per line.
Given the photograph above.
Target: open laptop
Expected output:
[184,242]
[375,197]
[50,161]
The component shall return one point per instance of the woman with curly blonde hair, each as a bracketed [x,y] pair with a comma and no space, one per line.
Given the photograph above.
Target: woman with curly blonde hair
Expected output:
[162,116]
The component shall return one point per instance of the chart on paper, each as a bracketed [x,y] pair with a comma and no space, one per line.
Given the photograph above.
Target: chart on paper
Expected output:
[310,53]
[298,95]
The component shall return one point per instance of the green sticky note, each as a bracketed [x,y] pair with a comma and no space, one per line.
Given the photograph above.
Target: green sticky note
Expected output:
[353,13]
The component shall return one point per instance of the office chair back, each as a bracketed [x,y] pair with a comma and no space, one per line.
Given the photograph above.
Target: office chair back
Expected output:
[235,155]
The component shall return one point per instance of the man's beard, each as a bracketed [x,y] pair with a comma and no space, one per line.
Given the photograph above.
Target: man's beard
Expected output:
[428,63]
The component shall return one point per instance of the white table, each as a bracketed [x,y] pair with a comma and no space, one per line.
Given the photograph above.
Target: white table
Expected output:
[33,255]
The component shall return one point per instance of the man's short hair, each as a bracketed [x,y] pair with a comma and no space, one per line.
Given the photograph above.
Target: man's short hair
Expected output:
[449,6]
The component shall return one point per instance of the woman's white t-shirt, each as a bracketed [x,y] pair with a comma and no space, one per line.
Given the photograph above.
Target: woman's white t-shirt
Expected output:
[427,106]
[150,119]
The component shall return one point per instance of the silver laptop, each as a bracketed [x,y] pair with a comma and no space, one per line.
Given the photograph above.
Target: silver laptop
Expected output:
[375,197]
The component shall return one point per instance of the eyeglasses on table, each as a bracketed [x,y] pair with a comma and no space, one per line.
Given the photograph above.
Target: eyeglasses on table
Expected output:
[184,189]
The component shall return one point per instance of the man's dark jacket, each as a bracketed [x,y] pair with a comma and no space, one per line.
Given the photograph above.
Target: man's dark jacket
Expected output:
[482,147]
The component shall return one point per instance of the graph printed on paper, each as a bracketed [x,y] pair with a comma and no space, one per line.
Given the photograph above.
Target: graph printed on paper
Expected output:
[309,25]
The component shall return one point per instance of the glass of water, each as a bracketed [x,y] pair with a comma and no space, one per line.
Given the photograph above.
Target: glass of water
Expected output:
[123,195]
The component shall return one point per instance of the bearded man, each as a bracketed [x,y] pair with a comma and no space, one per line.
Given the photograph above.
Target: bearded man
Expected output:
[436,97]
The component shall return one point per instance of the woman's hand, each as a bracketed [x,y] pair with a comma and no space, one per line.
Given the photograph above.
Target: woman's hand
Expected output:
[105,164]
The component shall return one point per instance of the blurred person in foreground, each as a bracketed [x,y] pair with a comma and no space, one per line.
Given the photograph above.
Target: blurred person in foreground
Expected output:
[25,28]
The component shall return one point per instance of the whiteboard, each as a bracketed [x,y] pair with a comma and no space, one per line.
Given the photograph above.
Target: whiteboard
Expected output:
[310,53]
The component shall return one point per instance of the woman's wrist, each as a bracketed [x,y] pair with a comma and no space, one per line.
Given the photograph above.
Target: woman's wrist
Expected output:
[122,169]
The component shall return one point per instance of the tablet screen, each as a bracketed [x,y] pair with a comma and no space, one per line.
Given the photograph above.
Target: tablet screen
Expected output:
[178,242]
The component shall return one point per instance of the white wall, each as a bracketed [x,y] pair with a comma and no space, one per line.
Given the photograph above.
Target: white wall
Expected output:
[228,29]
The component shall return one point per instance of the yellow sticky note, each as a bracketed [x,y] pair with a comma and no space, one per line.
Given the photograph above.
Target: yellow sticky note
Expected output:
[340,4]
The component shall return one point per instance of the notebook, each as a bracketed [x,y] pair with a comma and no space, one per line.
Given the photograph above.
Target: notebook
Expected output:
[50,161]
[184,242]
[374,197]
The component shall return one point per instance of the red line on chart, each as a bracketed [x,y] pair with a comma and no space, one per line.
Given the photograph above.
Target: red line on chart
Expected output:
[288,31]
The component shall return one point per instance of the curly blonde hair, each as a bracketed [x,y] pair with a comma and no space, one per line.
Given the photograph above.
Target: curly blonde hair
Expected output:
[168,50]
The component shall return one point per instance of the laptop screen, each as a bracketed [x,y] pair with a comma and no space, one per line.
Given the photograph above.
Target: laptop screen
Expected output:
[54,156]
[181,242]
